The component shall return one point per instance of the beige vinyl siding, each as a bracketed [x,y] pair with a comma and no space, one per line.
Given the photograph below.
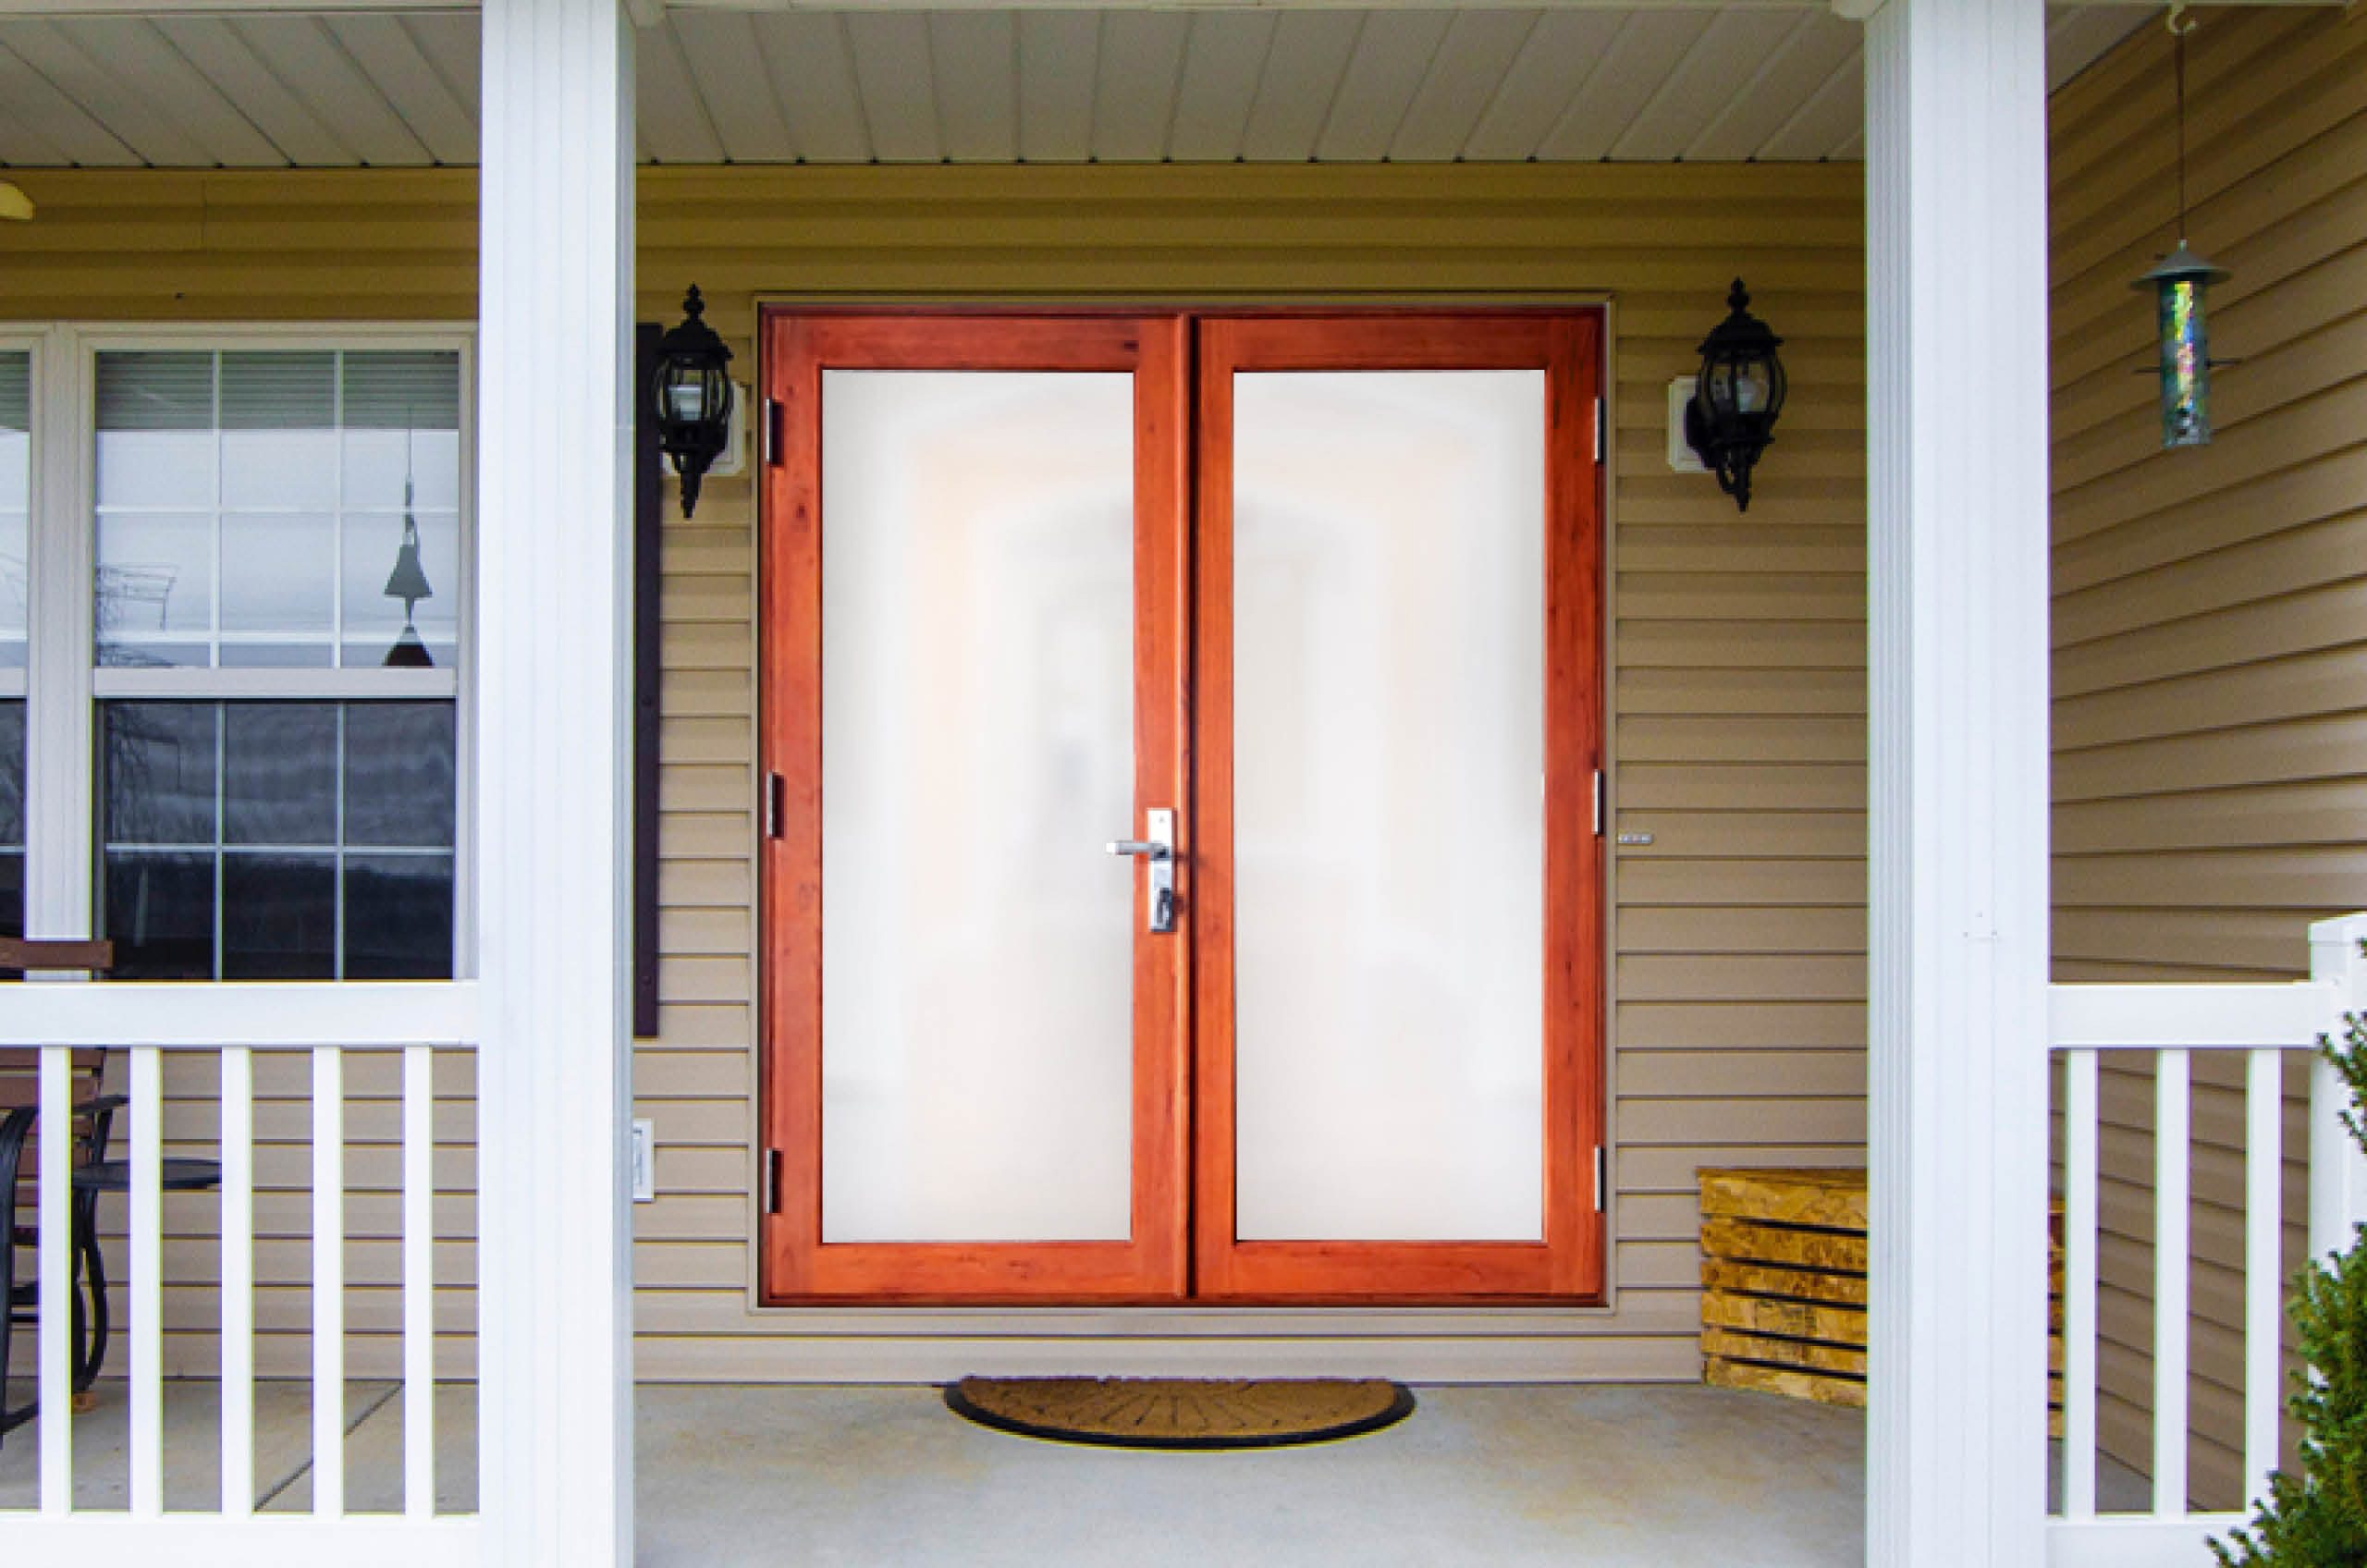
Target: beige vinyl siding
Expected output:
[1738,642]
[2210,608]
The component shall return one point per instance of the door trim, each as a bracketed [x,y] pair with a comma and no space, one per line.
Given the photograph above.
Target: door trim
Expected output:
[1569,1268]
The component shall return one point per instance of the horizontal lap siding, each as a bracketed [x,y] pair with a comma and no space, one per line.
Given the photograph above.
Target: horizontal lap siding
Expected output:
[1739,693]
[2210,665]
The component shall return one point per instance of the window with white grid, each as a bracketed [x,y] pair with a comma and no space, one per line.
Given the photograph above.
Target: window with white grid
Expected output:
[277,623]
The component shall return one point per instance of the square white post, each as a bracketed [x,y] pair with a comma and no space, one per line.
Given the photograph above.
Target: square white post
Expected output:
[1957,326]
[2337,1169]
[554,599]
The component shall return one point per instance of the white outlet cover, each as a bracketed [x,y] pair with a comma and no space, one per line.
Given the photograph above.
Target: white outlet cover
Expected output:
[1682,458]
[644,1160]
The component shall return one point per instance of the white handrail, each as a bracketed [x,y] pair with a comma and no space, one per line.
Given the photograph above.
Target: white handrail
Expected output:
[2189,1016]
[264,1014]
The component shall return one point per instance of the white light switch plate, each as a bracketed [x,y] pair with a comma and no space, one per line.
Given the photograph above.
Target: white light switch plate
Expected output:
[644,1161]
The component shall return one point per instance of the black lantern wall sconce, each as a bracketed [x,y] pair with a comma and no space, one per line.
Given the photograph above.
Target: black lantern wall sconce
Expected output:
[690,397]
[1731,417]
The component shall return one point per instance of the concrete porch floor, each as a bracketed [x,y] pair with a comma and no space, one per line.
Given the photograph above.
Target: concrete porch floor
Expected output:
[1661,1475]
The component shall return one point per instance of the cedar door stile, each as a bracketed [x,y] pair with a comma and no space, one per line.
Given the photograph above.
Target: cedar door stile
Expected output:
[1566,1261]
[797,1264]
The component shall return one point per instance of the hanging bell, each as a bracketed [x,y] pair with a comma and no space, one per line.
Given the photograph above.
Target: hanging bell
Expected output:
[408,582]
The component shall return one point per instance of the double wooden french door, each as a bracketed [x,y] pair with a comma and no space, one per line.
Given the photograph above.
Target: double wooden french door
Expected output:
[1181,876]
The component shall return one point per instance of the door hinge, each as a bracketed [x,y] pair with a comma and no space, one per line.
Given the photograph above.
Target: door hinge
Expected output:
[772,430]
[776,797]
[1598,803]
[772,1182]
[1601,1176]
[1600,434]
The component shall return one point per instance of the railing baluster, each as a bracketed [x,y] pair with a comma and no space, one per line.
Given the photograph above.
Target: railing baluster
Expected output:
[237,1282]
[419,1280]
[55,1364]
[2171,1138]
[146,1285]
[2079,1285]
[2263,1259]
[328,1282]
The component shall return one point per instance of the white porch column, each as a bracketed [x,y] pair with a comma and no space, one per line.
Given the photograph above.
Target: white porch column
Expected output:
[1955,196]
[554,613]
[2337,1169]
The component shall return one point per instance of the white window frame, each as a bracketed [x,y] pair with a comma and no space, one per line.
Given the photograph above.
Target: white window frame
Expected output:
[33,346]
[63,682]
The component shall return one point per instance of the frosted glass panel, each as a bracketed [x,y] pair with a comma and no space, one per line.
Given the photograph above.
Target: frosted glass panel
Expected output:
[977,753]
[1389,606]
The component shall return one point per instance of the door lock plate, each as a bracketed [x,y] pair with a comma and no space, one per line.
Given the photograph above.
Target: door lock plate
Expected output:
[1158,846]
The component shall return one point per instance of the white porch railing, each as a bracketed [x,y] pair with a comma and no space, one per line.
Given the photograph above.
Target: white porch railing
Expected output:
[2172,1023]
[325,1022]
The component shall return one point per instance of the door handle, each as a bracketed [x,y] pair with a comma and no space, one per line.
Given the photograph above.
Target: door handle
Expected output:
[1159,849]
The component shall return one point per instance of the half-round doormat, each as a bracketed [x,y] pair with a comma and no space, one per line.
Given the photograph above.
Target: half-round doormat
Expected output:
[1203,1413]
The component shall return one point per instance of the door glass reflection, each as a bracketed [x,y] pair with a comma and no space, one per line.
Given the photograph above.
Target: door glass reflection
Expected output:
[977,668]
[1388,804]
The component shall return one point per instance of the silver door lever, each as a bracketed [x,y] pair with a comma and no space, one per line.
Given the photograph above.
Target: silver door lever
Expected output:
[1160,849]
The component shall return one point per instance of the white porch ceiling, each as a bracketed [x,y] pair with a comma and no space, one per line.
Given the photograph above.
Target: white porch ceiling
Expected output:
[986,86]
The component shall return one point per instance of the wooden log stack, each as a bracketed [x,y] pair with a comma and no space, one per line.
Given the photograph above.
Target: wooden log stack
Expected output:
[1783,1285]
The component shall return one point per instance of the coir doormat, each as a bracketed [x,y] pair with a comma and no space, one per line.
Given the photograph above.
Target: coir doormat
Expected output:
[1181,1412]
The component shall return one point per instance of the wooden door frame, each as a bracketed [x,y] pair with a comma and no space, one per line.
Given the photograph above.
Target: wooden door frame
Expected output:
[795,1265]
[1182,1246]
[1567,1265]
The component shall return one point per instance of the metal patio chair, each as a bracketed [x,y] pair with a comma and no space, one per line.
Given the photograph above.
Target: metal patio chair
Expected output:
[93,1117]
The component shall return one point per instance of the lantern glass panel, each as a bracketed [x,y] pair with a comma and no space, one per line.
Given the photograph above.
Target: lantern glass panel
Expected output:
[1751,386]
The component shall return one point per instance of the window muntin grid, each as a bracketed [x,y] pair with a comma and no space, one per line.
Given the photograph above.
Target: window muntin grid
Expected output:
[251,504]
[16,504]
[278,839]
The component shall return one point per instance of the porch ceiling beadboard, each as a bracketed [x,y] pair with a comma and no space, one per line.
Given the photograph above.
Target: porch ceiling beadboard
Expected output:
[1701,82]
[1738,646]
[2210,672]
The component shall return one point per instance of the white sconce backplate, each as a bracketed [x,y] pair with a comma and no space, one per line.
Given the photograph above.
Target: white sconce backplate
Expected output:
[1682,458]
[733,458]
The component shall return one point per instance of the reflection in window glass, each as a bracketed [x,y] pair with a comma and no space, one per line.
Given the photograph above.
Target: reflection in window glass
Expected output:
[16,500]
[281,840]
[12,818]
[254,508]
